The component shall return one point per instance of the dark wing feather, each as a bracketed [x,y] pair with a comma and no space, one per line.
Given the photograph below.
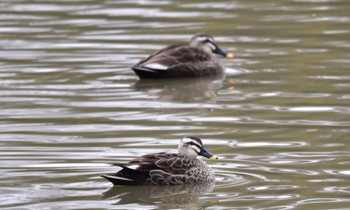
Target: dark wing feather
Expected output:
[179,60]
[141,174]
[160,52]
[174,55]
[148,162]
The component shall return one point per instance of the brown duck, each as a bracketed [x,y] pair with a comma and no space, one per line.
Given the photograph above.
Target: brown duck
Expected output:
[192,59]
[167,168]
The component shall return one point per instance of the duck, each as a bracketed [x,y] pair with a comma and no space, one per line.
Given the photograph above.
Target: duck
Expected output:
[163,168]
[192,59]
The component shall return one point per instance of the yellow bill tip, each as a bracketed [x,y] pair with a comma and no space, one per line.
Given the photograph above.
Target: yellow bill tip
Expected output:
[229,55]
[214,157]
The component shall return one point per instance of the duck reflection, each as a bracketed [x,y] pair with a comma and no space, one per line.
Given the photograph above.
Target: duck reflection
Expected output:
[165,196]
[184,90]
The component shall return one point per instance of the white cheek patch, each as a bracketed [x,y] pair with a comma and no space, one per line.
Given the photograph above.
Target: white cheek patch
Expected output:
[211,46]
[195,148]
[156,66]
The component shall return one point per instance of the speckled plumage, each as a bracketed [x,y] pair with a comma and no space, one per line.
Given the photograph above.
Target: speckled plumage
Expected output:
[192,59]
[166,168]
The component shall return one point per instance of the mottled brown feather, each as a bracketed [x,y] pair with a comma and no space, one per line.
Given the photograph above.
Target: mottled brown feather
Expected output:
[166,168]
[181,61]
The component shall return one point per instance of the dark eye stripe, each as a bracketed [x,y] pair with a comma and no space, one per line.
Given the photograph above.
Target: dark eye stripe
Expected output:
[195,144]
[193,140]
[199,142]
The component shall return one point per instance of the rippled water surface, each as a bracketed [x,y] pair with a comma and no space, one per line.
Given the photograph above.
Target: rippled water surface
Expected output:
[70,104]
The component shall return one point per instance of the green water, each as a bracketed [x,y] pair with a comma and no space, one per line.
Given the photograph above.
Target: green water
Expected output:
[70,104]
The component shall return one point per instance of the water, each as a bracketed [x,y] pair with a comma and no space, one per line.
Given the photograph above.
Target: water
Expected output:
[70,105]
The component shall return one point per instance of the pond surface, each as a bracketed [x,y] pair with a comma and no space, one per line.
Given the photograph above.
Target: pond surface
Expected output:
[279,121]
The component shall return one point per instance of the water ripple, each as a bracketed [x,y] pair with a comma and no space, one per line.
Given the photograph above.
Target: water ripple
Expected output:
[70,104]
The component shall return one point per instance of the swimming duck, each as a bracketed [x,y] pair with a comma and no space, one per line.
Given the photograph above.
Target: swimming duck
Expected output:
[167,168]
[193,59]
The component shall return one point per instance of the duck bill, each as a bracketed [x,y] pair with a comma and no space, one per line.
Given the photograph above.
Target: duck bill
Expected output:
[219,51]
[207,154]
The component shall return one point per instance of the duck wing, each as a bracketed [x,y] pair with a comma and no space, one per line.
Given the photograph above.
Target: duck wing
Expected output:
[148,162]
[173,61]
[137,171]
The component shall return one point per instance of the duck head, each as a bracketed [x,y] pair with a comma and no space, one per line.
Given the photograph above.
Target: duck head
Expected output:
[206,42]
[191,146]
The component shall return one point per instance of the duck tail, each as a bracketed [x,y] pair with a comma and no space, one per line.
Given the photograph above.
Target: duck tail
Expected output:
[127,176]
